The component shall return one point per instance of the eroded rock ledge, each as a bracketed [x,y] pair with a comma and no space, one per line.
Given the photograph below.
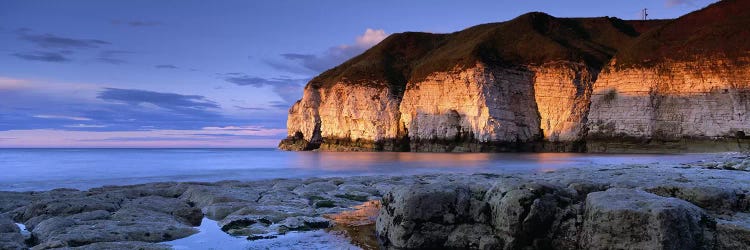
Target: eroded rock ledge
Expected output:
[656,206]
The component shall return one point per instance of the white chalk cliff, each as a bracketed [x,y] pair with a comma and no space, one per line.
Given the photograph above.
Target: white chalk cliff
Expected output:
[535,83]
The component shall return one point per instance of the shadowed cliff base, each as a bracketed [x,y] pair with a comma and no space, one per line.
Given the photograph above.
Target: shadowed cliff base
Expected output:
[597,145]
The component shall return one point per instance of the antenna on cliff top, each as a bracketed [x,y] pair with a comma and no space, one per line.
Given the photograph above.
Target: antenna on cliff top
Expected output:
[645,14]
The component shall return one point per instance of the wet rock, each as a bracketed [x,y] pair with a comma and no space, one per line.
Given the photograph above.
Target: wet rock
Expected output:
[220,211]
[315,188]
[14,200]
[133,245]
[10,235]
[204,195]
[302,223]
[63,206]
[422,216]
[179,208]
[163,189]
[479,211]
[459,213]
[633,219]
[129,224]
[733,232]
[716,199]
[250,222]
[515,213]
[472,236]
[522,215]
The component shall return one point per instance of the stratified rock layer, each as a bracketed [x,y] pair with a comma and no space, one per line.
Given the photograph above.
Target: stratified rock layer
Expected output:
[700,100]
[555,84]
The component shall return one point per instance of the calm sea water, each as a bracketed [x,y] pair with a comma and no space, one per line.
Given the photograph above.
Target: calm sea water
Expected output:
[44,169]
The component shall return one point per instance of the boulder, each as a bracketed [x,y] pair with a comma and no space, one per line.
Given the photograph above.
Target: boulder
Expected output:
[10,235]
[180,209]
[129,224]
[633,219]
[133,245]
[513,214]
[733,232]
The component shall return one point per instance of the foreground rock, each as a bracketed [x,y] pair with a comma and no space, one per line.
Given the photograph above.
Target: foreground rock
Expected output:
[633,219]
[136,217]
[10,235]
[655,206]
[636,207]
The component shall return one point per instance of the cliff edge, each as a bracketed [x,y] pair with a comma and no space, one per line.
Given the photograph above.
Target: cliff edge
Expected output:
[538,83]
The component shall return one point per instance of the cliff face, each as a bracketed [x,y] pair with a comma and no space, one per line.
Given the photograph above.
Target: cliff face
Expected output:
[701,99]
[536,83]
[348,116]
[687,81]
[490,108]
[478,104]
[669,102]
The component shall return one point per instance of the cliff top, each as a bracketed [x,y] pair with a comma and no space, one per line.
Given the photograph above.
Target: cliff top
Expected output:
[720,29]
[530,39]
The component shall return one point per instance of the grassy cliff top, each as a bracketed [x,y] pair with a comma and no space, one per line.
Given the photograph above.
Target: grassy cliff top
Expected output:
[721,29]
[530,39]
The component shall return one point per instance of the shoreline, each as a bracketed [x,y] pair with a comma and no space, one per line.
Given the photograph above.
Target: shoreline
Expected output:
[27,171]
[144,215]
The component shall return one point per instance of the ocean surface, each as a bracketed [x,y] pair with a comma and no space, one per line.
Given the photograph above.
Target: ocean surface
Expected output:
[45,169]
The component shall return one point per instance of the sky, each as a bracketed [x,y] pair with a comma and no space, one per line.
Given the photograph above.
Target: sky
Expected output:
[188,73]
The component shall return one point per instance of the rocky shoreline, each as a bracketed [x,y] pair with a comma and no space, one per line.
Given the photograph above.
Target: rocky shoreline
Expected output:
[704,205]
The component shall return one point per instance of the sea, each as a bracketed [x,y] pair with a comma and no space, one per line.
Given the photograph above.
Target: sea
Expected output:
[46,169]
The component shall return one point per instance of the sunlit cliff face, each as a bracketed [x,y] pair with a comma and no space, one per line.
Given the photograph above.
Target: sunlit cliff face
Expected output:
[557,84]
[483,104]
[553,102]
[705,98]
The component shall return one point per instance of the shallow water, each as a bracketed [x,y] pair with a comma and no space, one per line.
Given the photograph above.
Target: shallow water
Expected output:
[210,236]
[44,169]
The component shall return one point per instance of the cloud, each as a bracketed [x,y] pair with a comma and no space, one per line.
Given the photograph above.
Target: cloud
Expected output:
[71,112]
[136,23]
[371,37]
[62,117]
[165,66]
[294,56]
[80,125]
[289,89]
[245,80]
[673,3]
[113,56]
[247,108]
[256,137]
[280,105]
[42,56]
[58,42]
[186,104]
[7,83]
[234,128]
[310,63]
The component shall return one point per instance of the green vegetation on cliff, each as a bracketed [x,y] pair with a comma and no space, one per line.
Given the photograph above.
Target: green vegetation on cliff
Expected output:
[531,39]
[717,30]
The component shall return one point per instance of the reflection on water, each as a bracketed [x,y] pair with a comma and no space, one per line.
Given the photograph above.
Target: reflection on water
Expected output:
[353,229]
[42,169]
[357,225]
[210,236]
